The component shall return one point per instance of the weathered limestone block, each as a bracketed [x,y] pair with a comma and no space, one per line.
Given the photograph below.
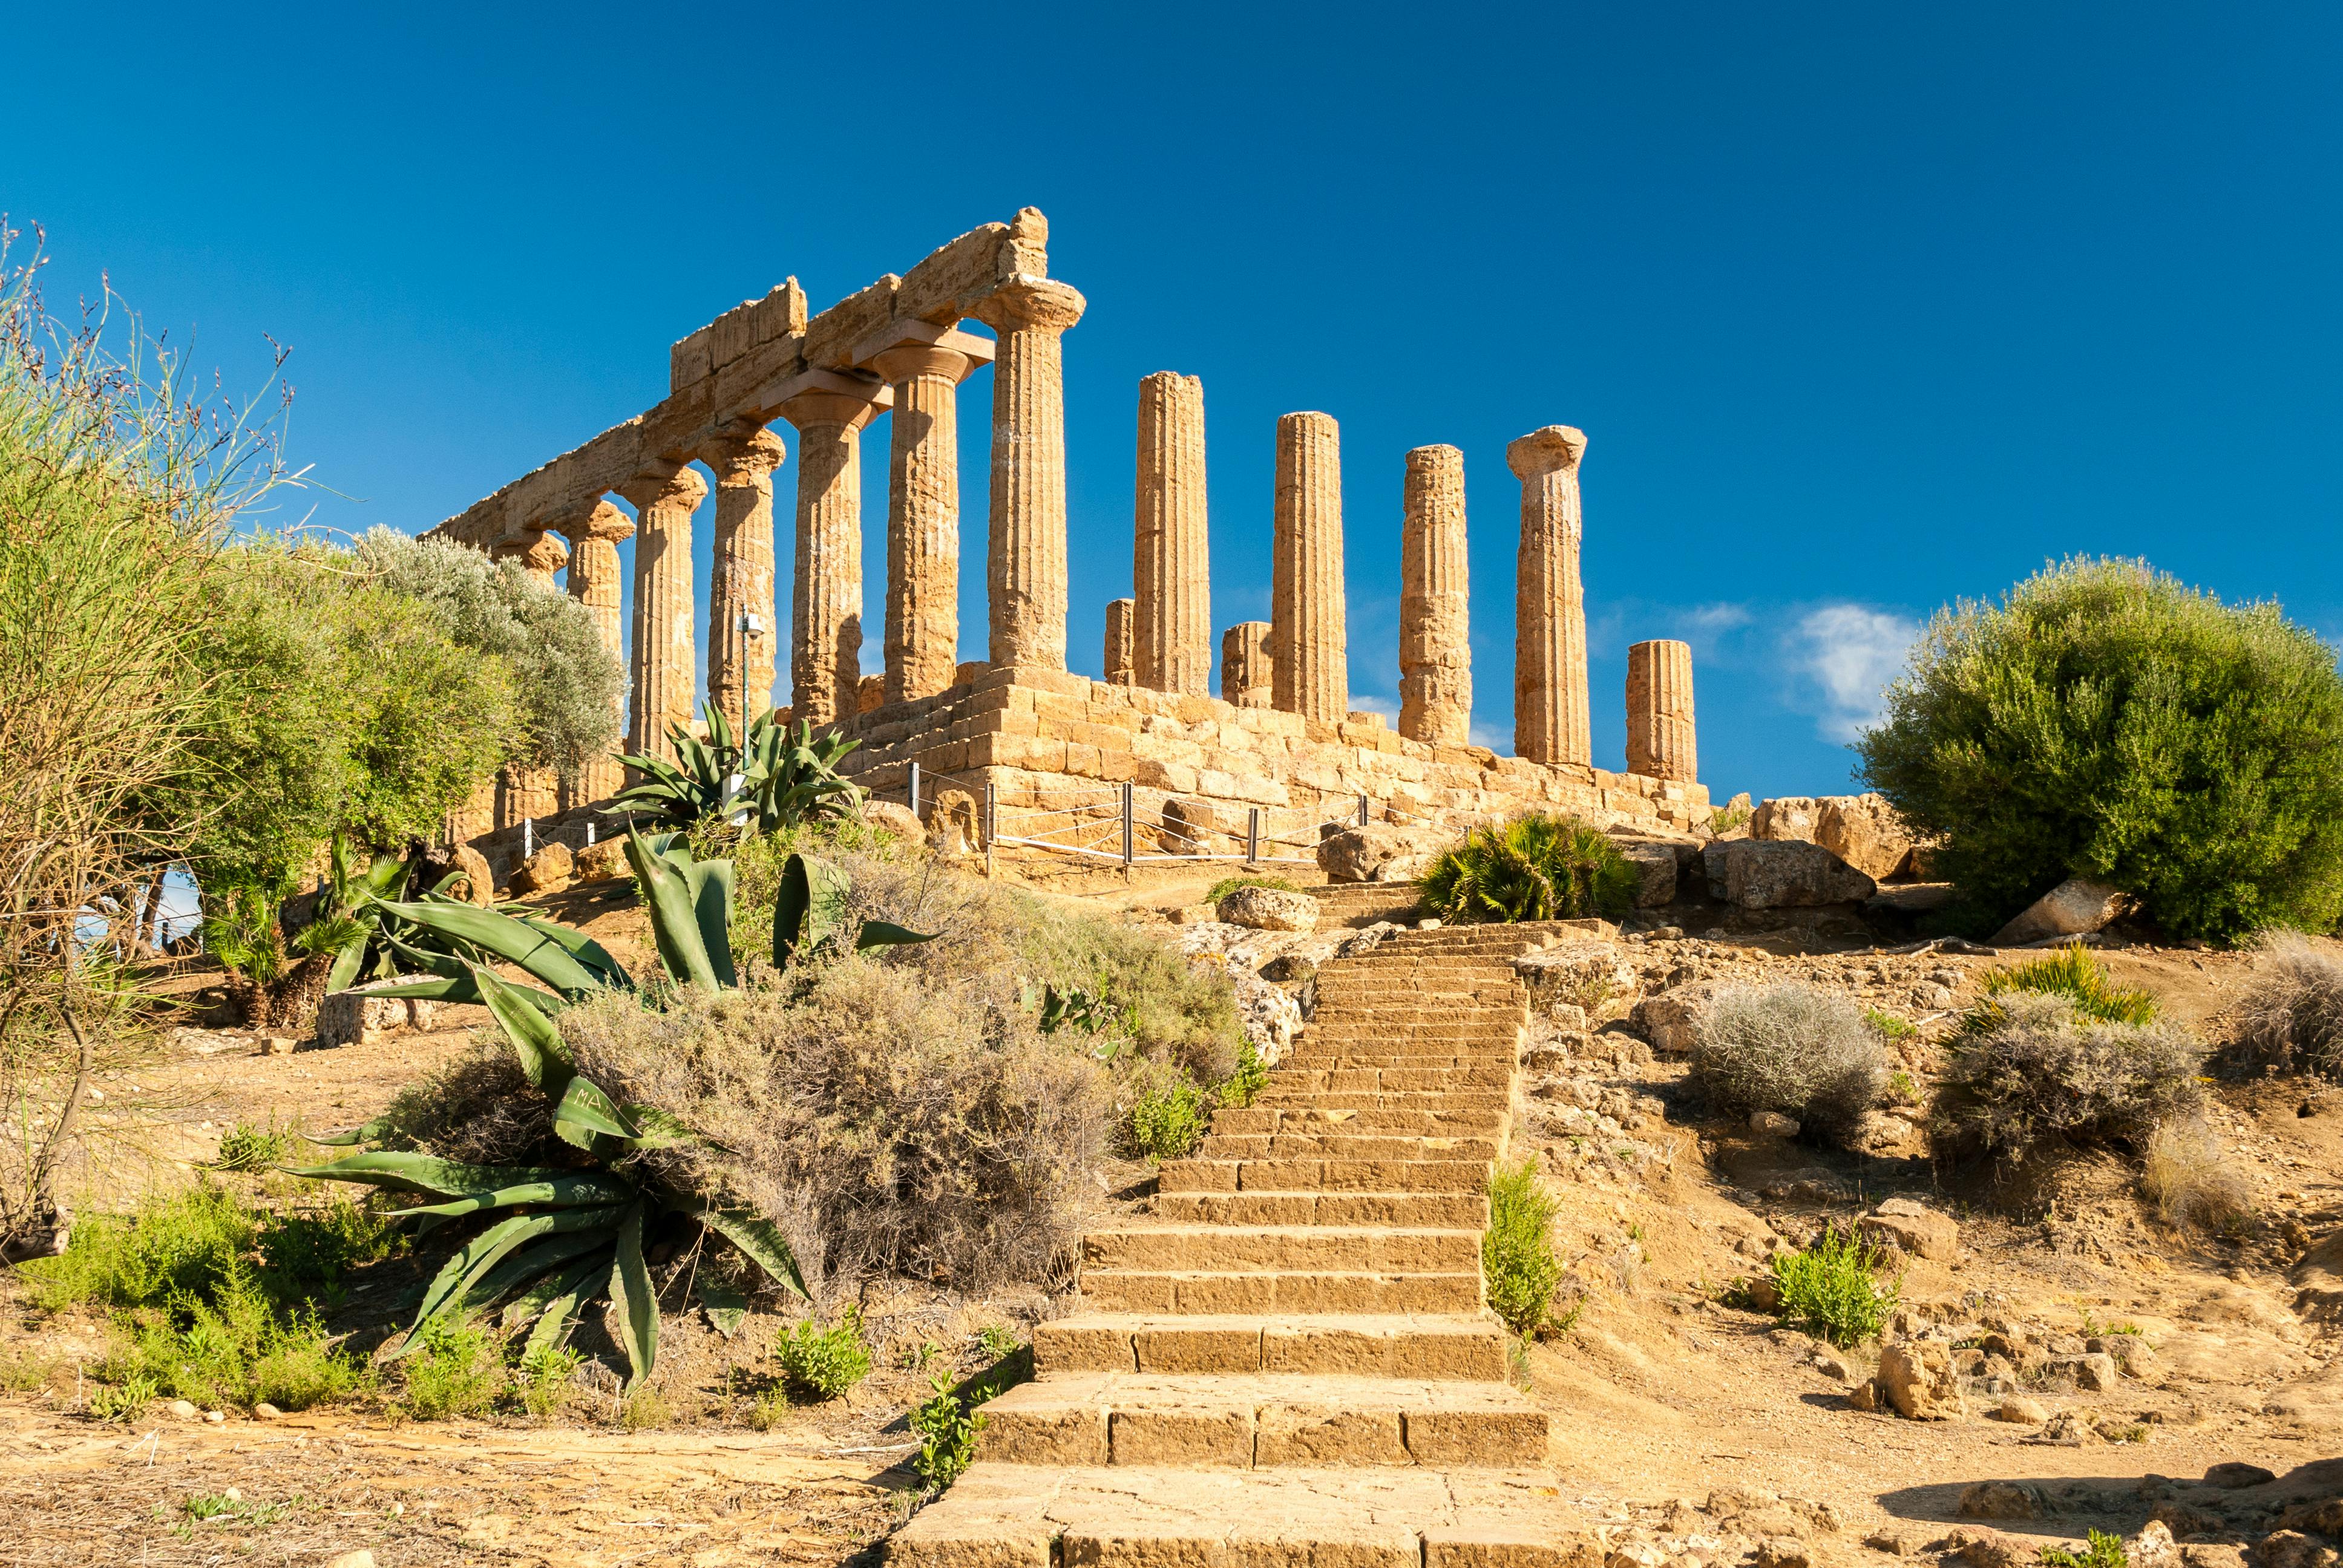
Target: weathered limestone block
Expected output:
[826,602]
[1245,675]
[1661,743]
[955,825]
[893,817]
[1914,1227]
[1269,910]
[1026,558]
[1785,817]
[2075,908]
[1775,874]
[1655,871]
[1199,828]
[1307,639]
[1119,642]
[357,1017]
[740,665]
[1918,1378]
[601,862]
[665,668]
[1551,721]
[1377,852]
[1866,832]
[1171,628]
[541,558]
[1435,648]
[549,871]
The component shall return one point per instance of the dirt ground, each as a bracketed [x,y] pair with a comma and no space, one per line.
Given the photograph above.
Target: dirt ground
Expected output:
[1666,1391]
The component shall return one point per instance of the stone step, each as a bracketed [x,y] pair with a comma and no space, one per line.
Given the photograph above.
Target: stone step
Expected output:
[1338,1058]
[1250,1249]
[1275,1099]
[1316,1290]
[1140,1516]
[1260,1421]
[1334,1145]
[1470,1347]
[1322,1176]
[1259,1120]
[1385,1079]
[1437,1210]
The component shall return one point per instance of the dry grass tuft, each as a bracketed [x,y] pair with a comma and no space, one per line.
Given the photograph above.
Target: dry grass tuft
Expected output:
[2291,1014]
[2192,1180]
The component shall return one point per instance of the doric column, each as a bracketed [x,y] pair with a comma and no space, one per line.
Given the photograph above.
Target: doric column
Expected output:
[829,411]
[594,538]
[1245,675]
[1118,642]
[744,461]
[545,556]
[925,366]
[1025,567]
[665,670]
[1172,629]
[1306,643]
[1660,742]
[1435,648]
[1550,706]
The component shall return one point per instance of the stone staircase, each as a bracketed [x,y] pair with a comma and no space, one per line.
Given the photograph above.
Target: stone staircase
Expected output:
[1289,1361]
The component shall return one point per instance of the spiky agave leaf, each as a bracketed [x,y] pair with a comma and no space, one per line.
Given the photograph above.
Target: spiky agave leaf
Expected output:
[632,1293]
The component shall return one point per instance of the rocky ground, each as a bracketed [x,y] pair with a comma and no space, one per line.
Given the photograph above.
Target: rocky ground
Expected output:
[2078,1364]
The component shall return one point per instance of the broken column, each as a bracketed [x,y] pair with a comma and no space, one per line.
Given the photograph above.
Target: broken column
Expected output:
[922,614]
[829,411]
[1306,642]
[1550,703]
[1659,743]
[1118,642]
[740,664]
[1246,678]
[1436,649]
[1172,629]
[545,556]
[666,672]
[594,537]
[1026,556]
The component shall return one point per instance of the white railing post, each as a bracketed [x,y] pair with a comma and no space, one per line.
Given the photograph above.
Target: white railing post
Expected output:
[528,837]
[915,788]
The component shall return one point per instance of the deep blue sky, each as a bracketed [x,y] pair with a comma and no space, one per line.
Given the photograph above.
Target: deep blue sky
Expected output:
[1863,308]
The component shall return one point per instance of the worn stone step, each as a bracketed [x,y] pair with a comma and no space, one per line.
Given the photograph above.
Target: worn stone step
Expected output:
[1245,1249]
[1327,1060]
[1322,1176]
[1261,1119]
[1267,1290]
[1344,1145]
[1439,1211]
[1140,1516]
[1275,1098]
[1262,1419]
[1384,1078]
[1469,1347]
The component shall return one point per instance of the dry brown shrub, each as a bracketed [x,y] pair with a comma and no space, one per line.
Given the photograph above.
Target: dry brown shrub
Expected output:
[2191,1178]
[478,1110]
[2291,1013]
[1793,1049]
[2043,1077]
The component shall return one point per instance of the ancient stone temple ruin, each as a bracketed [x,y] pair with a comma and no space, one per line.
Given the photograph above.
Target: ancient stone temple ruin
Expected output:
[1017,729]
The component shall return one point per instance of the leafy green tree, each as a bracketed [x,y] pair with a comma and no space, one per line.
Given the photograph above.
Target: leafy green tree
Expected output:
[2103,721]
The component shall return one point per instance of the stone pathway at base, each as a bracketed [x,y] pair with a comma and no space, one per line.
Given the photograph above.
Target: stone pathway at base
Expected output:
[1291,1362]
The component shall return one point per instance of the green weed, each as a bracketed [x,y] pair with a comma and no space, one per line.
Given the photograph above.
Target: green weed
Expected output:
[825,1361]
[1888,1026]
[2104,1551]
[249,1148]
[1166,1123]
[1830,1288]
[947,1428]
[2070,972]
[645,1410]
[1250,1077]
[998,1342]
[1227,885]
[235,1344]
[125,1401]
[456,1372]
[1517,1253]
[543,1372]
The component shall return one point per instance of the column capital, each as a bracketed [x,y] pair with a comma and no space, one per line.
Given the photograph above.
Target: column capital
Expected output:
[1543,450]
[666,485]
[1025,303]
[902,349]
[599,521]
[546,555]
[827,397]
[742,453]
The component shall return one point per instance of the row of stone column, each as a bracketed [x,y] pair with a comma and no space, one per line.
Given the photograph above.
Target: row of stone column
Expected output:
[1296,661]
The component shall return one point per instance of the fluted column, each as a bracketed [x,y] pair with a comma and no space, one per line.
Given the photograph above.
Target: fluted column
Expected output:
[1171,624]
[666,667]
[740,665]
[1660,739]
[1435,646]
[1025,567]
[826,602]
[1306,615]
[923,617]
[1550,704]
[1245,676]
[594,582]
[1118,642]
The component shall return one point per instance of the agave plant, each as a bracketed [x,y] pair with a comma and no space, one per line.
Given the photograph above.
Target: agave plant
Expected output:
[1537,867]
[774,777]
[568,1234]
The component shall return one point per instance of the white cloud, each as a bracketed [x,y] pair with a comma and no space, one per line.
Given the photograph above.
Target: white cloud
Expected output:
[1500,741]
[1850,653]
[1715,617]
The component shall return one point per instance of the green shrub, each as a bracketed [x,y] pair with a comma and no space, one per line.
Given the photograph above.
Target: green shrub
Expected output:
[125,1401]
[2103,1551]
[249,1148]
[2070,972]
[1793,1049]
[1831,1289]
[184,1242]
[456,1372]
[947,1426]
[233,1345]
[1517,1255]
[2042,1074]
[2105,721]
[1540,866]
[1888,1026]
[1166,1123]
[1227,885]
[543,1372]
[825,1361]
[2291,1014]
[1250,1078]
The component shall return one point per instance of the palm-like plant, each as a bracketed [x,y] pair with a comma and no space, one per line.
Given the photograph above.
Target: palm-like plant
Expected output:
[1541,866]
[774,777]
[567,1233]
